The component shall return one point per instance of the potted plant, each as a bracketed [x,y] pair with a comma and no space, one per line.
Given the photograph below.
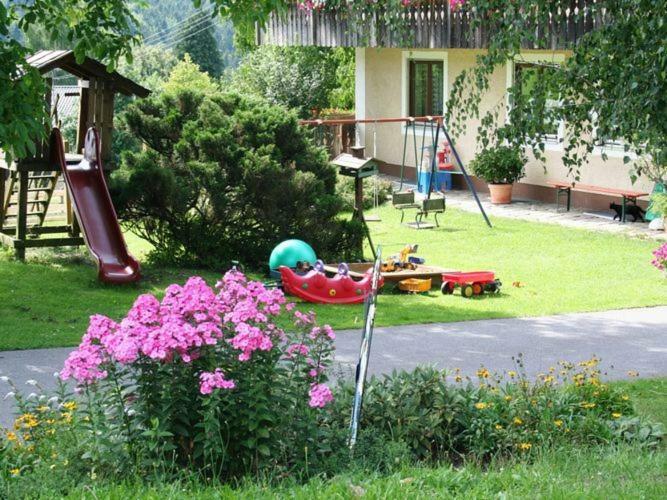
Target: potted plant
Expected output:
[500,167]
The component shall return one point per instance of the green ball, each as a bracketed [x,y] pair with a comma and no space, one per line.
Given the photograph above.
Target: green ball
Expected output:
[289,252]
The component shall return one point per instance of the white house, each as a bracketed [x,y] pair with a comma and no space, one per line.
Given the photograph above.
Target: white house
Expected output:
[395,81]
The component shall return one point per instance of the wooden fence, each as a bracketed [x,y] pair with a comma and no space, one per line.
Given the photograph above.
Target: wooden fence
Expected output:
[432,25]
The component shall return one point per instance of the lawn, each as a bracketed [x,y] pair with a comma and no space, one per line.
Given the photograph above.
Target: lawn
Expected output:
[604,472]
[47,302]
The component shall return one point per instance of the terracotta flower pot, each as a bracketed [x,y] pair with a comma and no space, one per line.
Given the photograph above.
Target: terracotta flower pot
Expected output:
[501,194]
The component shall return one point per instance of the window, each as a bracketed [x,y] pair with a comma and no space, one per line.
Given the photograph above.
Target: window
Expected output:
[426,96]
[527,76]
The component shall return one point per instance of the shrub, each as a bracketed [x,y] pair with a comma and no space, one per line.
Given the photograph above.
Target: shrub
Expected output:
[345,189]
[227,178]
[498,415]
[306,79]
[659,203]
[203,380]
[499,165]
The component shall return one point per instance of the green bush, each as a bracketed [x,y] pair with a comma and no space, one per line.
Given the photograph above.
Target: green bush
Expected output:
[345,189]
[659,203]
[425,416]
[226,178]
[494,415]
[306,79]
[499,165]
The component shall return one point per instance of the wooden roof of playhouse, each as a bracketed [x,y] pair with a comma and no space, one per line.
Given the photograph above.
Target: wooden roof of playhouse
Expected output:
[96,92]
[47,60]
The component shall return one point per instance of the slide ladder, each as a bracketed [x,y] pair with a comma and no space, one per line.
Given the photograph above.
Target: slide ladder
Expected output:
[94,209]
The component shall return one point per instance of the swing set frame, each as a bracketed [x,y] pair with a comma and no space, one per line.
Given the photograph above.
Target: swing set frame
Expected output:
[432,122]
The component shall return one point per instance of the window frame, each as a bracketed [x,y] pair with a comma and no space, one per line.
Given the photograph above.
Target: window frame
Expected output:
[421,55]
[551,141]
[412,96]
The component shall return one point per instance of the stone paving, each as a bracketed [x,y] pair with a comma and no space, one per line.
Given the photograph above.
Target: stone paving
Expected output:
[536,211]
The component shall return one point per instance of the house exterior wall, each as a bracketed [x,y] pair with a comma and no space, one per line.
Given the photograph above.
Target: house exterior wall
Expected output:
[382,90]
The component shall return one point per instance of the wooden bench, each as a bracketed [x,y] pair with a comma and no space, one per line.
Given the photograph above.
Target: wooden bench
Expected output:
[566,187]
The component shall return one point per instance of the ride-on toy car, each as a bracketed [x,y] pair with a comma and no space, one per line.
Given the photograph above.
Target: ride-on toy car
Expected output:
[470,283]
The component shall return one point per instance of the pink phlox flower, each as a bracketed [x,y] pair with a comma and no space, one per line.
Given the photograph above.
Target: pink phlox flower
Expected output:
[325,331]
[320,396]
[208,381]
[83,365]
[301,349]
[248,339]
[304,319]
[660,257]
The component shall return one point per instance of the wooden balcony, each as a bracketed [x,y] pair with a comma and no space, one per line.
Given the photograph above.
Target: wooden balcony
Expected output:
[431,26]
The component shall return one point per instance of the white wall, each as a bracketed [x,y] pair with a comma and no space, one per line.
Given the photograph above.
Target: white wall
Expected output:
[382,89]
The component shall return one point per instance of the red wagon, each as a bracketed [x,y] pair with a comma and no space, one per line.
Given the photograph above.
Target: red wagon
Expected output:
[470,283]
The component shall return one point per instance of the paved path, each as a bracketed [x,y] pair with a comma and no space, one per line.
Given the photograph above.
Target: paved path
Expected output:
[633,339]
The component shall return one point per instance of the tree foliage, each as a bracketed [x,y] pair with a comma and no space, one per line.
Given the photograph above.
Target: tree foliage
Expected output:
[199,42]
[227,178]
[613,85]
[102,29]
[305,78]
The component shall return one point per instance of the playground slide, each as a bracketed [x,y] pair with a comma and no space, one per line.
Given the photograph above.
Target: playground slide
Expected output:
[94,210]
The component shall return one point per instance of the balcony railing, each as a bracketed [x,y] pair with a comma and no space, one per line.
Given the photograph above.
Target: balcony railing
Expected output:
[431,25]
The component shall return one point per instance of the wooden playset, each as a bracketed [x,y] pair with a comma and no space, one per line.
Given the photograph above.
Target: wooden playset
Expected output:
[27,185]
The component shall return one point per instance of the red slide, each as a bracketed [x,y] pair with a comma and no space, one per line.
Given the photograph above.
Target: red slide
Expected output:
[94,210]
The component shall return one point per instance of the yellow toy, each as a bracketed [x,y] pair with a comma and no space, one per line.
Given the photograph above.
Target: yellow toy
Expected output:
[400,261]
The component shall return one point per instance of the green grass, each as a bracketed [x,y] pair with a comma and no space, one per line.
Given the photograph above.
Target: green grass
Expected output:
[581,473]
[47,301]
[560,270]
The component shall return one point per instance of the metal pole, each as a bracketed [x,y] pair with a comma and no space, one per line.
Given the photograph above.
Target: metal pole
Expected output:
[465,174]
[434,160]
[365,350]
[405,148]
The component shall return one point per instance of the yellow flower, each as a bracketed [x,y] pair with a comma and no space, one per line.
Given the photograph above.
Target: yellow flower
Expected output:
[69,405]
[508,398]
[483,373]
[511,373]
[481,406]
[458,378]
[499,427]
[15,472]
[525,446]
[517,421]
[587,406]
[558,423]
[11,436]
[616,415]
[550,379]
[42,408]
[625,397]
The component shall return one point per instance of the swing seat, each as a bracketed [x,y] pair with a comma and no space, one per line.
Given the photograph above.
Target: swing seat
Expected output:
[433,206]
[404,201]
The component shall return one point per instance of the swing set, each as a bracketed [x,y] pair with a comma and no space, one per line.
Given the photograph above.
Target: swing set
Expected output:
[359,166]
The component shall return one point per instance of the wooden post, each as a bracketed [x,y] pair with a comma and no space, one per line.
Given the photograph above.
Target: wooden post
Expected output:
[359,197]
[84,105]
[22,215]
